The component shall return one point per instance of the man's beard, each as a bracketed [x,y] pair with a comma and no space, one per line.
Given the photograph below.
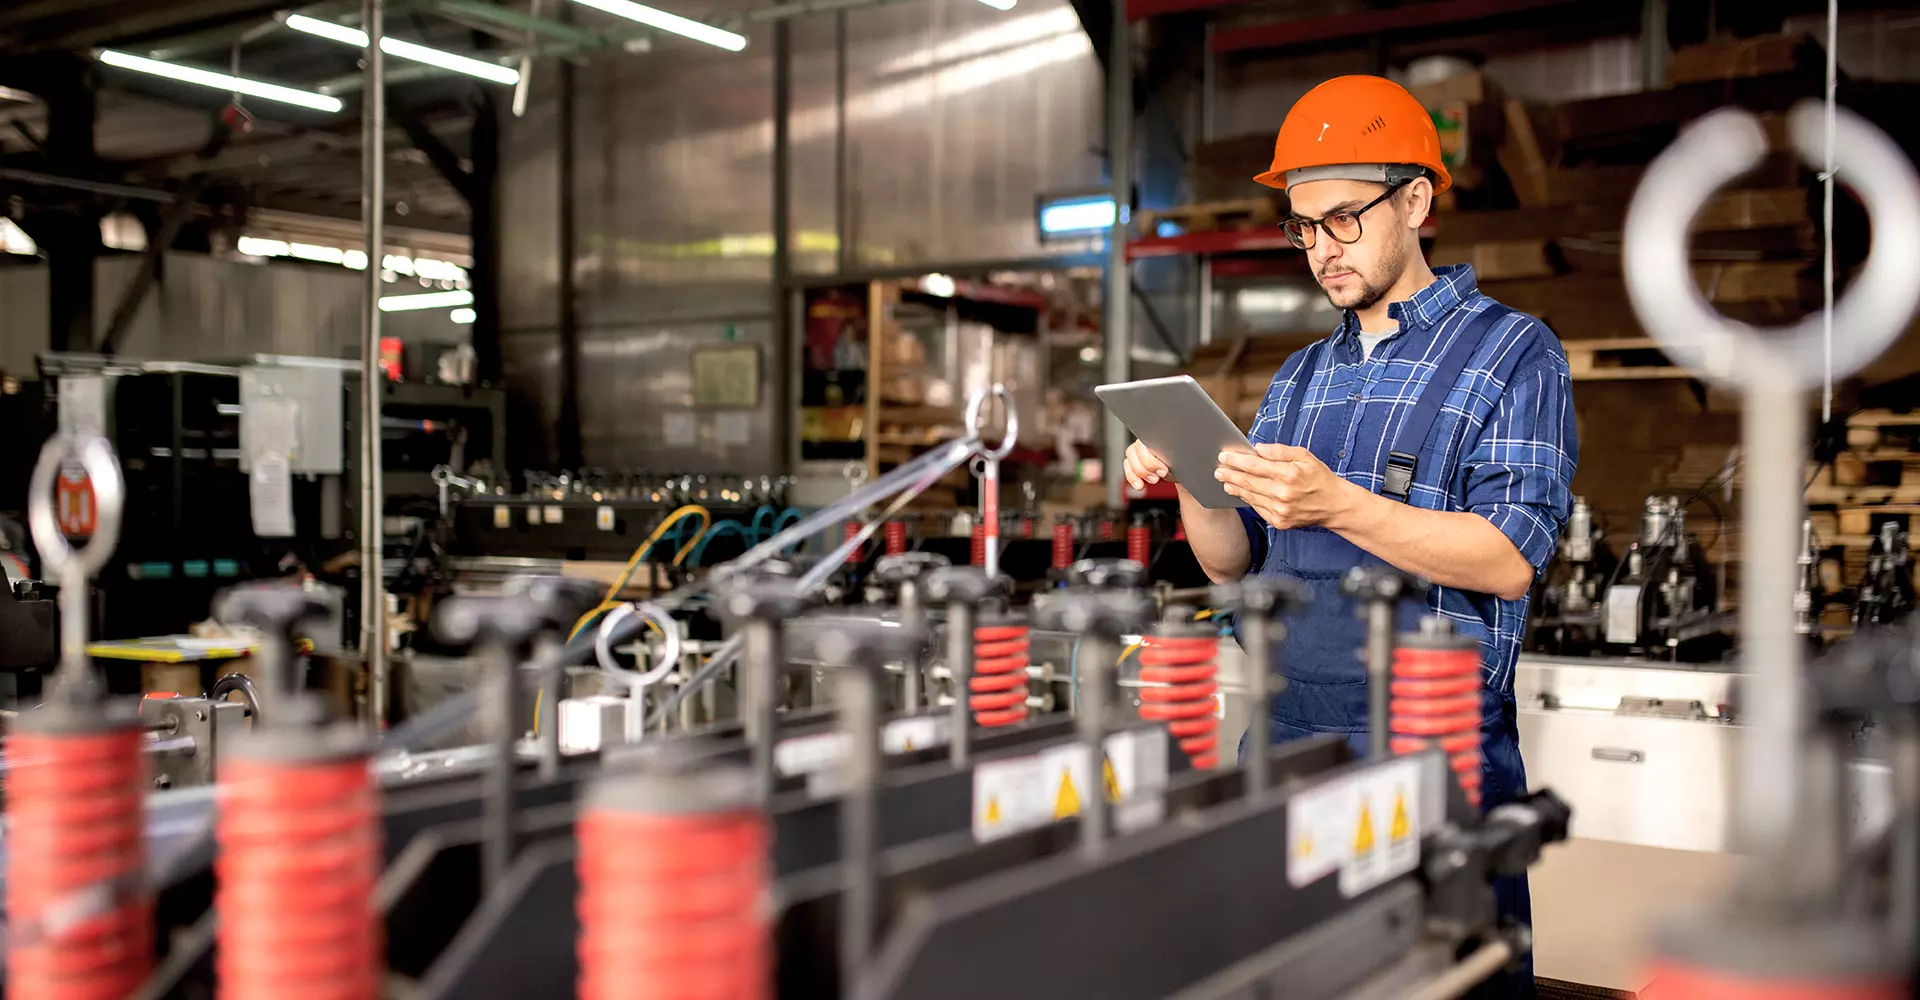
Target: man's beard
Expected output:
[1369,293]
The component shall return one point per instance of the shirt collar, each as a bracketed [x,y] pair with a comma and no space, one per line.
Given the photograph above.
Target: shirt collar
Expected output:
[1452,285]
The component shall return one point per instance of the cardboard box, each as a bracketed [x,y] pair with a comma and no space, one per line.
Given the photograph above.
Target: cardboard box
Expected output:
[1742,57]
[1856,521]
[1496,261]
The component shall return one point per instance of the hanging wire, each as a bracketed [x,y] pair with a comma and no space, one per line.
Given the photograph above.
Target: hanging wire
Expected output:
[1826,180]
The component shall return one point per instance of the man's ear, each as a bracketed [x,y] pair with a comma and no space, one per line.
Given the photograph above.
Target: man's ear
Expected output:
[1419,201]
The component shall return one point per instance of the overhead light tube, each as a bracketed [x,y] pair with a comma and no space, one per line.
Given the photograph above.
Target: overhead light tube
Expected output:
[219,81]
[426,300]
[406,50]
[685,27]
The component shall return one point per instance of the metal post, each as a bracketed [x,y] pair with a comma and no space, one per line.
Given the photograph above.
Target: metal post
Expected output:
[1653,44]
[1119,297]
[499,675]
[1772,778]
[373,199]
[784,331]
[762,656]
[1090,719]
[547,656]
[858,691]
[960,666]
[567,435]
[1209,101]
[1379,667]
[1256,632]
[914,617]
[842,223]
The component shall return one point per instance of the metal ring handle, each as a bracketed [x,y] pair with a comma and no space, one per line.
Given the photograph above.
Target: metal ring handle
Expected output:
[648,611]
[1720,147]
[976,409]
[95,456]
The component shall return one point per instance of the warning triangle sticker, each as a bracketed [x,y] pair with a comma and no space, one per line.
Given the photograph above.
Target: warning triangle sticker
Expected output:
[1363,837]
[993,810]
[1066,802]
[1401,828]
[1108,778]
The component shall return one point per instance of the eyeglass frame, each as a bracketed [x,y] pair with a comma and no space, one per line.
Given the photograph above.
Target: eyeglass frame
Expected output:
[1315,225]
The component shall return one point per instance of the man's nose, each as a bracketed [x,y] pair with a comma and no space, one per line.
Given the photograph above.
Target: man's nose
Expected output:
[1324,251]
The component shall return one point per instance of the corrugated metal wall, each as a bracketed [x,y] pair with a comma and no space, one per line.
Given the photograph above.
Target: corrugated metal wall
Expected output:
[957,114]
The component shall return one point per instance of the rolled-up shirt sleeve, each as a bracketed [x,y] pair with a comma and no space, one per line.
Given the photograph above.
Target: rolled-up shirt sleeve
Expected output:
[1256,539]
[1519,475]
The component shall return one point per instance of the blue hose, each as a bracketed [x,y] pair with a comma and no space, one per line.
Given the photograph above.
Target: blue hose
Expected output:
[761,534]
[700,547]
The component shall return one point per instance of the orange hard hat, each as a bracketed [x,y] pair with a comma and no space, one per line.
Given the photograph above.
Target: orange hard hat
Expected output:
[1350,125]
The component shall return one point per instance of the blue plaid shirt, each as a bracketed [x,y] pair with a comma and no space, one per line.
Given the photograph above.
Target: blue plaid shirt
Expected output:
[1504,445]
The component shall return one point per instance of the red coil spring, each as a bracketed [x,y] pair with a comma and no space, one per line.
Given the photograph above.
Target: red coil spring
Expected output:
[1139,543]
[979,547]
[673,905]
[1186,666]
[1062,545]
[852,529]
[1026,526]
[1436,702]
[75,822]
[896,537]
[1106,529]
[998,688]
[295,877]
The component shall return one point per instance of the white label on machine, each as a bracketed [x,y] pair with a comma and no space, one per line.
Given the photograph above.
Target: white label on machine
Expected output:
[809,754]
[533,513]
[1132,778]
[553,513]
[270,496]
[603,518]
[1010,796]
[1367,827]
[805,754]
[502,516]
[914,733]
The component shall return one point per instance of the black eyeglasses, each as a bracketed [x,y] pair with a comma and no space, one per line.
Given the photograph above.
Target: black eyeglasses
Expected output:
[1344,227]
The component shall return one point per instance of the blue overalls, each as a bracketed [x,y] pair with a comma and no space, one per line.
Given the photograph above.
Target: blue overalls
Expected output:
[1326,683]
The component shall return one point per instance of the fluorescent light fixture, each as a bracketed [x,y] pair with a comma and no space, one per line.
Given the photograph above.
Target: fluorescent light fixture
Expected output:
[13,239]
[220,81]
[313,251]
[463,315]
[437,270]
[938,284]
[355,259]
[685,27]
[254,246]
[429,300]
[406,50]
[397,264]
[1000,4]
[1080,216]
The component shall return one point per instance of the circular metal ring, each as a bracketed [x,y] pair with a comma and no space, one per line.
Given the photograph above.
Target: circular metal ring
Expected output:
[669,657]
[1659,277]
[855,473]
[95,456]
[976,410]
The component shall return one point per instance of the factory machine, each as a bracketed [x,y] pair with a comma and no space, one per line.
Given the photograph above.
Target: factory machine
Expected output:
[880,812]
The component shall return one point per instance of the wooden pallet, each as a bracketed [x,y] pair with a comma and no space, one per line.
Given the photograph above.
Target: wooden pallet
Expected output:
[1237,214]
[1619,358]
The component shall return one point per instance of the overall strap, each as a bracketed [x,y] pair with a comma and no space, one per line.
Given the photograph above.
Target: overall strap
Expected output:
[1290,422]
[1404,459]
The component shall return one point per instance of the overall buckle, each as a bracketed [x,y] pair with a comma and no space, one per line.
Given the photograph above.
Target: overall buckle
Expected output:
[1397,481]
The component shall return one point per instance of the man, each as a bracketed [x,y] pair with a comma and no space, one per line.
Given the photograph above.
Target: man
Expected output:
[1469,490]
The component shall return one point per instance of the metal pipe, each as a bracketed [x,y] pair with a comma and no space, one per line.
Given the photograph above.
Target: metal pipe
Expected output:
[373,199]
[842,223]
[568,431]
[1256,633]
[858,691]
[1773,776]
[1090,720]
[547,656]
[81,184]
[1472,971]
[783,333]
[1118,306]
[1379,670]
[960,667]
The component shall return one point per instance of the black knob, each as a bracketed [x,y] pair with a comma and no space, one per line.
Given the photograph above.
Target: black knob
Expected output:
[1259,596]
[1381,583]
[868,645]
[895,570]
[1107,573]
[1108,614]
[276,608]
[961,585]
[765,598]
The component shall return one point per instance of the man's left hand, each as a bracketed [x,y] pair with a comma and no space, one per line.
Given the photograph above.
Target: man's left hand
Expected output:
[1287,486]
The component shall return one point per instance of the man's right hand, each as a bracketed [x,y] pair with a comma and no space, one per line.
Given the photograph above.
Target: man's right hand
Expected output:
[1144,467]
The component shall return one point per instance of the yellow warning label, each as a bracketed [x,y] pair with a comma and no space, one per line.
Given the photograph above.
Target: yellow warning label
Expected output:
[1304,849]
[1066,802]
[909,742]
[992,817]
[1363,837]
[1107,777]
[1401,828]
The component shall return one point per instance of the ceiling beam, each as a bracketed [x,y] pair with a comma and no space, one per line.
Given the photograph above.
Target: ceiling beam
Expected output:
[1362,24]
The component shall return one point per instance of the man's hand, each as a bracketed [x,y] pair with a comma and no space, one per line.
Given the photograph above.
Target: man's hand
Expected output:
[1143,466]
[1287,486]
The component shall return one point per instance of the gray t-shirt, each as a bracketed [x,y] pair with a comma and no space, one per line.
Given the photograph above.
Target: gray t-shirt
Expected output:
[1368,341]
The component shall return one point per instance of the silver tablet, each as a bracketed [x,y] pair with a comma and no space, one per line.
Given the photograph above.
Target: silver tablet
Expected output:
[1182,424]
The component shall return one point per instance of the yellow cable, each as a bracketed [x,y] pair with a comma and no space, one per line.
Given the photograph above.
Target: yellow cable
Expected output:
[1129,651]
